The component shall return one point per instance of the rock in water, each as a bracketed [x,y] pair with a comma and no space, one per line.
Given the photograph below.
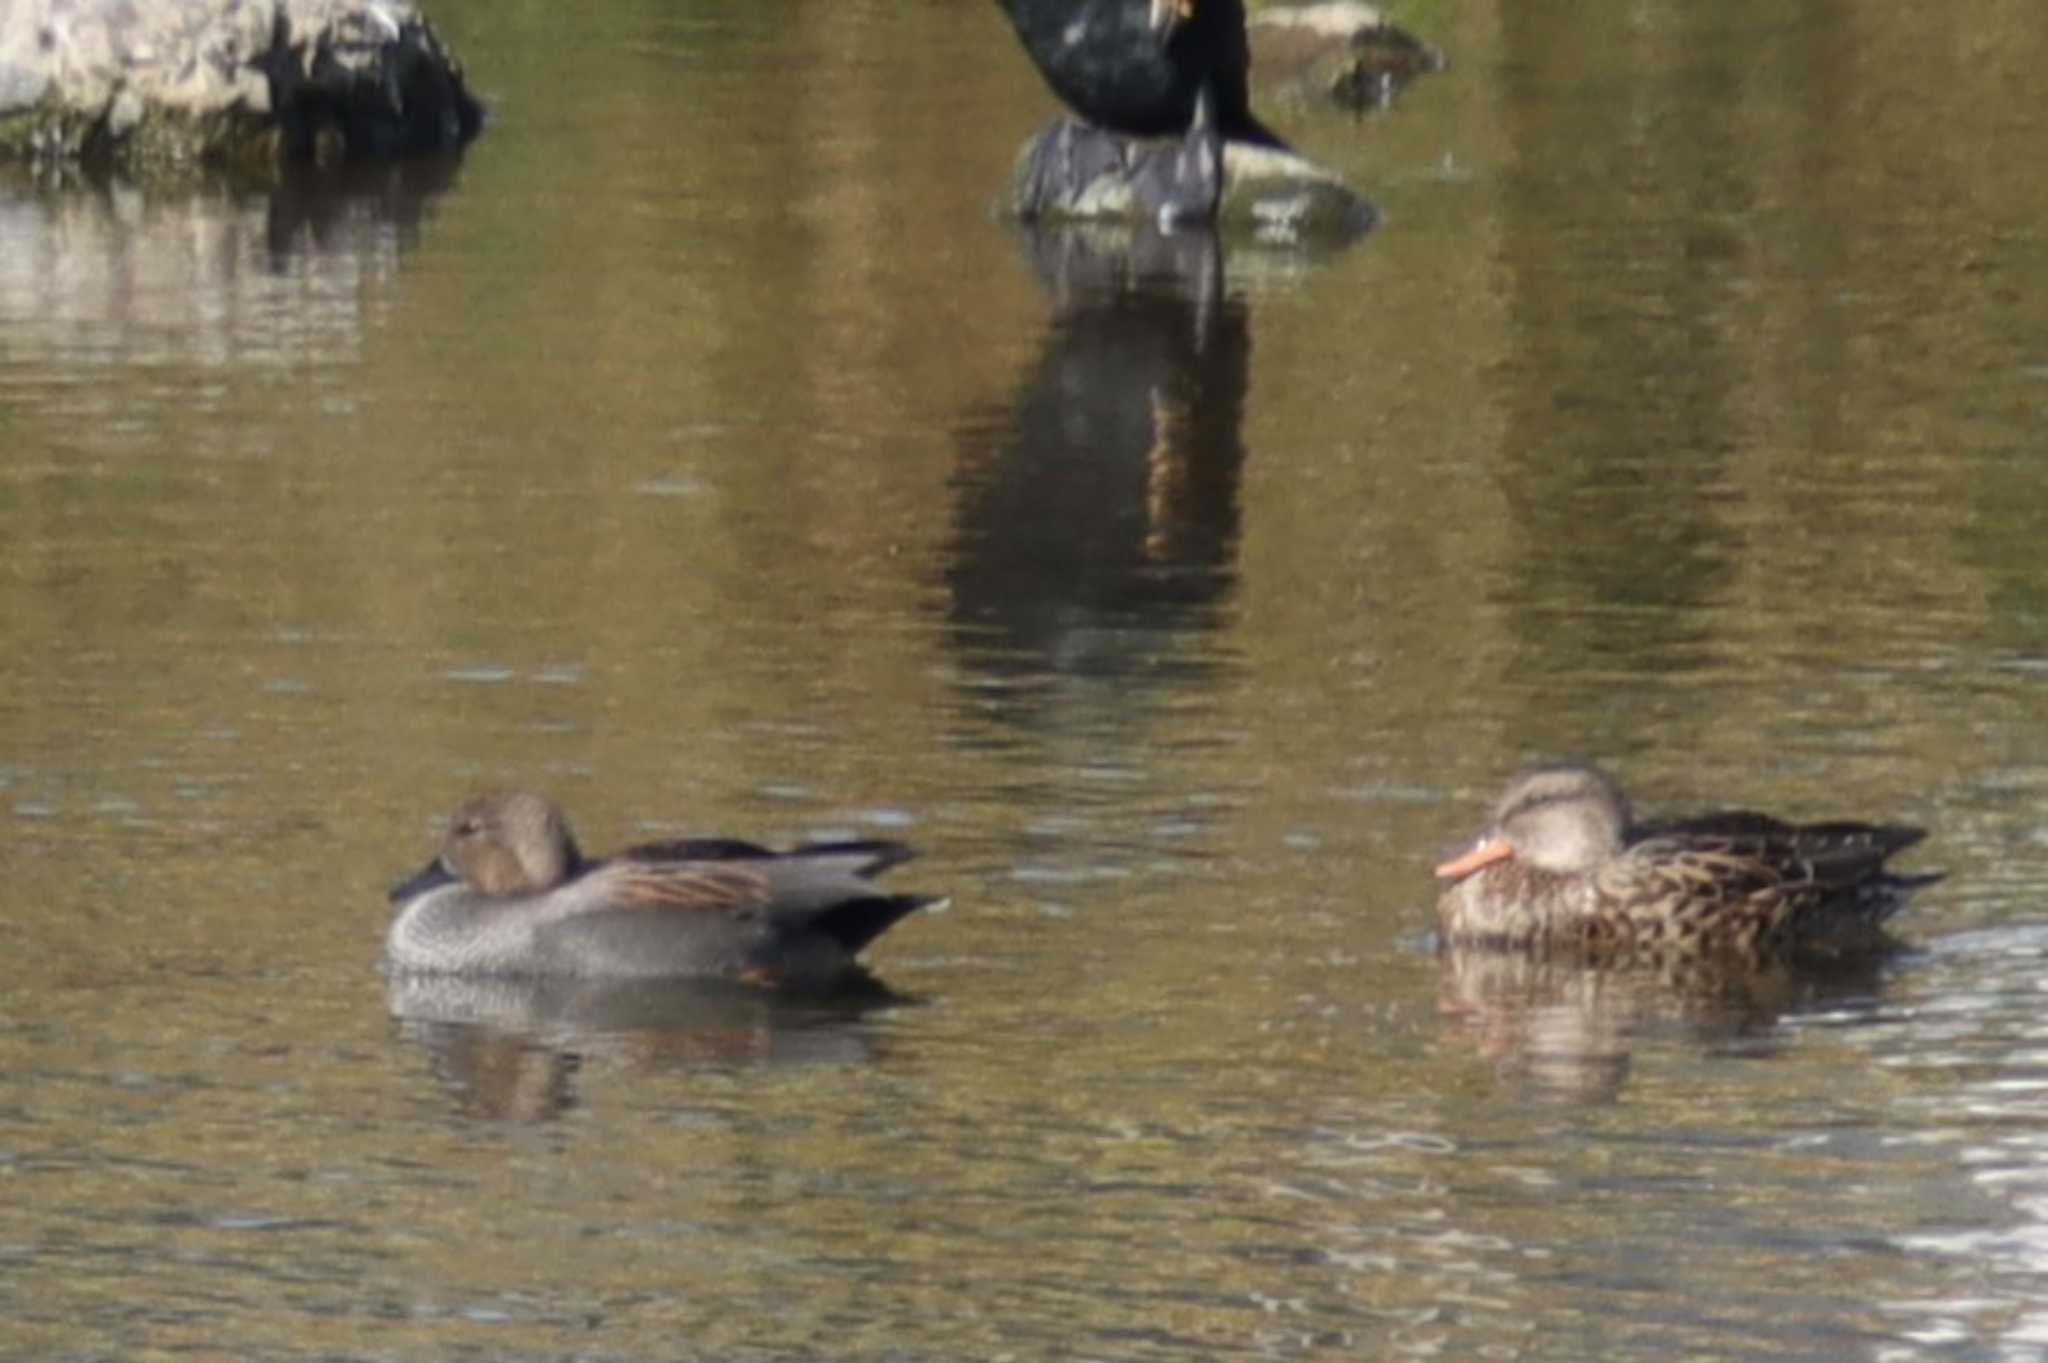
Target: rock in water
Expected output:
[172,83]
[1075,172]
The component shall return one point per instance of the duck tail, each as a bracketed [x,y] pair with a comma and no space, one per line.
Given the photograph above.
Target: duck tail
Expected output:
[1886,894]
[856,922]
[1905,884]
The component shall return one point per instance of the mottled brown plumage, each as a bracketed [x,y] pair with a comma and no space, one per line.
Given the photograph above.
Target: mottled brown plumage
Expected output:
[1563,864]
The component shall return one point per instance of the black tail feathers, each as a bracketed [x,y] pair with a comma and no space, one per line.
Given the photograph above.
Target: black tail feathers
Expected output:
[857,922]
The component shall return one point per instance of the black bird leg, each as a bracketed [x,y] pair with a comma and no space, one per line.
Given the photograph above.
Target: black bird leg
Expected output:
[1184,183]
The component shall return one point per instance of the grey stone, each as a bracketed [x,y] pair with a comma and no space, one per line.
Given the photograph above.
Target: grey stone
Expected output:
[157,84]
[20,87]
[1075,172]
[125,113]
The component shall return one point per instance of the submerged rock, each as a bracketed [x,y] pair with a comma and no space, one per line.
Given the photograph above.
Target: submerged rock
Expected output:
[1075,172]
[146,85]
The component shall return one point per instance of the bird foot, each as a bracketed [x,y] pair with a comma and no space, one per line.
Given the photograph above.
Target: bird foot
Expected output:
[1167,15]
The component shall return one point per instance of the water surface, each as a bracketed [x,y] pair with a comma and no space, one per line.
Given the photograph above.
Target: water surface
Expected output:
[701,450]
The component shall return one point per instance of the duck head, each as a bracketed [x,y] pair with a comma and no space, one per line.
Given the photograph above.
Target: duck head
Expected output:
[500,843]
[1561,819]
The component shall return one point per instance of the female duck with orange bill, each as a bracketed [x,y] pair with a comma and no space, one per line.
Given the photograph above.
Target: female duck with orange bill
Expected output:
[1563,863]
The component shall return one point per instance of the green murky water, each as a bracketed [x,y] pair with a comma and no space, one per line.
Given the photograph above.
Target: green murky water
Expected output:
[700,450]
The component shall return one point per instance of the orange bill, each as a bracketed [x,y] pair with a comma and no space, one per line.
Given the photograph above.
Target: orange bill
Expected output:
[1485,853]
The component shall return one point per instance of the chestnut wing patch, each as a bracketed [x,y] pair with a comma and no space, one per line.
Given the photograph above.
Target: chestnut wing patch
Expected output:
[706,887]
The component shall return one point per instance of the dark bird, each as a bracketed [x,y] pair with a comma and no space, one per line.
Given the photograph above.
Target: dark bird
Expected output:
[1562,863]
[1139,66]
[377,85]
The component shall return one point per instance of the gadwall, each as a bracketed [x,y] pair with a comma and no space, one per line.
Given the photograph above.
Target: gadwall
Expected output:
[510,894]
[1562,863]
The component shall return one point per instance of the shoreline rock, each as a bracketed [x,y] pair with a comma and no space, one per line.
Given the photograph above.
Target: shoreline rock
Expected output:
[155,86]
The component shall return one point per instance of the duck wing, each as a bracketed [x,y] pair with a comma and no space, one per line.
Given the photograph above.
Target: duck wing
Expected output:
[1749,881]
[864,858]
[695,849]
[820,888]
[1746,846]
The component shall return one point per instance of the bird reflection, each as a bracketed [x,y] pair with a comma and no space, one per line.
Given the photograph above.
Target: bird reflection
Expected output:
[515,1048]
[1567,1028]
[353,206]
[1099,509]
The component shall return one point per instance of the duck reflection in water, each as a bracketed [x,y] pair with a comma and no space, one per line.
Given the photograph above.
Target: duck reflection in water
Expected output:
[1097,518]
[1565,1028]
[522,1049]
